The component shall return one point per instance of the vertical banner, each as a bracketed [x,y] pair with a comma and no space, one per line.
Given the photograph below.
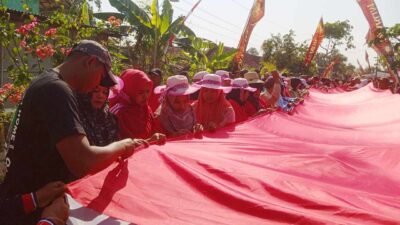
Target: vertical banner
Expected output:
[256,13]
[376,37]
[328,70]
[315,43]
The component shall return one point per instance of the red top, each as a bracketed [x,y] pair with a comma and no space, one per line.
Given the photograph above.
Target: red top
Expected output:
[240,111]
[154,101]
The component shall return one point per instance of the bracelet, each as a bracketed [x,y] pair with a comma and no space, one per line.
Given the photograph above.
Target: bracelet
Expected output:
[45,222]
[29,202]
[51,221]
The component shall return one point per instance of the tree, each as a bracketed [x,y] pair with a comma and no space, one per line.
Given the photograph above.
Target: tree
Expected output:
[152,31]
[201,54]
[286,53]
[253,51]
[337,34]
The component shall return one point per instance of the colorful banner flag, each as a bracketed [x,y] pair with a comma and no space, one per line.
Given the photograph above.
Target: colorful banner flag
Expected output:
[256,13]
[328,70]
[375,36]
[315,43]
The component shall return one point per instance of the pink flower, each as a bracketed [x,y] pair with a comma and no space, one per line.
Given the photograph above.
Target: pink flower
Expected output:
[40,52]
[51,32]
[22,30]
[7,86]
[2,91]
[22,43]
[44,51]
[65,51]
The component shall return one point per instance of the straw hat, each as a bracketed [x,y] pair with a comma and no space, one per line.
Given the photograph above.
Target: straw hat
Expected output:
[176,85]
[241,83]
[253,78]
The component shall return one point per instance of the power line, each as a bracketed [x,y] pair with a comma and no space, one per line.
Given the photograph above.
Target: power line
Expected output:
[240,4]
[215,24]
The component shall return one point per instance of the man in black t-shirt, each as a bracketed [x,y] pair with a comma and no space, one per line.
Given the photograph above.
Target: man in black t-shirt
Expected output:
[47,142]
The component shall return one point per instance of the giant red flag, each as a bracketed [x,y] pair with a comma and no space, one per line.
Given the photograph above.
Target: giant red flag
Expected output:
[256,13]
[315,43]
[339,168]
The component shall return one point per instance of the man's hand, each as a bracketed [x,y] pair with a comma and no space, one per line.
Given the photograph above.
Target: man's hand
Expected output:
[57,211]
[49,192]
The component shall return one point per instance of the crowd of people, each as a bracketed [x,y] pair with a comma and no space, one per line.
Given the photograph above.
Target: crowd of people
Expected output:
[78,118]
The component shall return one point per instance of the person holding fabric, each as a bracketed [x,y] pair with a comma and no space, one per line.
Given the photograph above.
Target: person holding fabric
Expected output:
[238,99]
[130,105]
[47,141]
[176,113]
[225,77]
[197,78]
[100,125]
[212,110]
[255,82]
[273,90]
[155,76]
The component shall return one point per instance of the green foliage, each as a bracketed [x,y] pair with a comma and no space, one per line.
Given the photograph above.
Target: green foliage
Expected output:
[201,54]
[152,31]
[286,54]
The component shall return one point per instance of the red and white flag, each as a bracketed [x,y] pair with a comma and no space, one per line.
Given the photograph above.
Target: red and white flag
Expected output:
[256,13]
[315,43]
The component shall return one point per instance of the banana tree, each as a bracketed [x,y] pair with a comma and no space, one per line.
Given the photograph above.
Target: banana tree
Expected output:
[205,55]
[153,30]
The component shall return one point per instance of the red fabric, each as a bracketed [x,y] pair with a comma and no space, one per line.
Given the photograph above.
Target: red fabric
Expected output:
[134,121]
[240,113]
[335,161]
[250,109]
[154,101]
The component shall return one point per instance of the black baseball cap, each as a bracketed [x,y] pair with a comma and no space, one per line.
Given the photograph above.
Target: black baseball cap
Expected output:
[95,49]
[156,72]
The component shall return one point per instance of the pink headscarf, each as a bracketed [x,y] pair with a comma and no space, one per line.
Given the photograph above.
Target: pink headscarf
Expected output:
[135,121]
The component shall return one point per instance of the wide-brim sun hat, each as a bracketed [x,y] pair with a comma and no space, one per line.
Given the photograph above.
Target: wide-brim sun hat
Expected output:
[199,76]
[241,83]
[253,78]
[223,74]
[176,85]
[212,81]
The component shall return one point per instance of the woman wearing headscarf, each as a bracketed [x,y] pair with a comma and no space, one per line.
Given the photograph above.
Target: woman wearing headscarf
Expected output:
[254,99]
[212,110]
[238,98]
[176,113]
[100,125]
[130,105]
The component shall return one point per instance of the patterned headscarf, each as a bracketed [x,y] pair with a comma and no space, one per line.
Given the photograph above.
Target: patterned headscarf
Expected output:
[100,125]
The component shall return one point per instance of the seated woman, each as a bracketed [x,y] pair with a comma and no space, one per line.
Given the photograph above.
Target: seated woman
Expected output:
[130,105]
[255,82]
[238,99]
[100,125]
[212,110]
[176,113]
[272,90]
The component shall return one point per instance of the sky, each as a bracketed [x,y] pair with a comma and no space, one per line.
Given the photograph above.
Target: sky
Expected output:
[224,20]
